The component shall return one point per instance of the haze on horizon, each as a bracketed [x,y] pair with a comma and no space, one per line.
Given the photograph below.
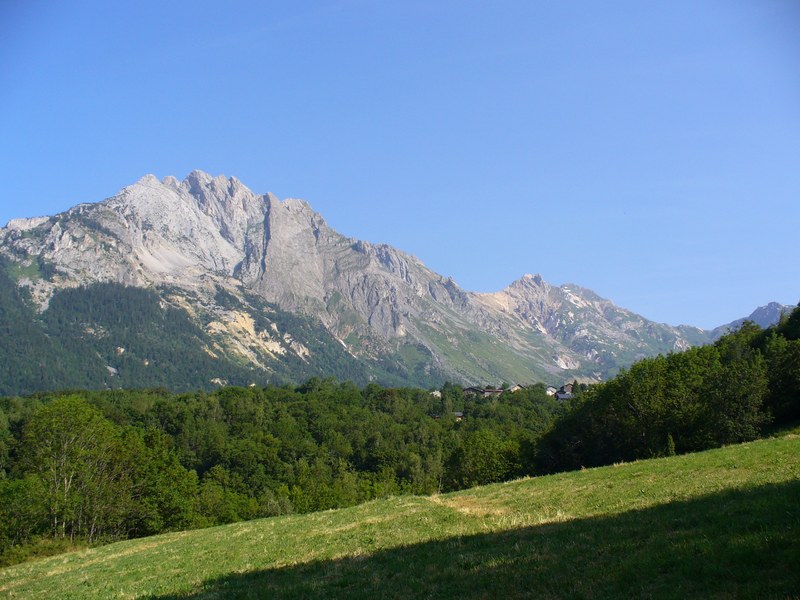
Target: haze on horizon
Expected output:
[650,152]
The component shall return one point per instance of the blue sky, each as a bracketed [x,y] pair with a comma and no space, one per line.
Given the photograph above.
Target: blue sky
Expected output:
[649,151]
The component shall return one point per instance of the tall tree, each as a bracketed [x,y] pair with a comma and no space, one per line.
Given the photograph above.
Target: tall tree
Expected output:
[76,454]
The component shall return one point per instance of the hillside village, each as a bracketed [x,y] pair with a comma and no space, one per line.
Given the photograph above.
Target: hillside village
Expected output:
[565,392]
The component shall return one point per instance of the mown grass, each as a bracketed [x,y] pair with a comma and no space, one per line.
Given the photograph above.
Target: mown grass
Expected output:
[723,523]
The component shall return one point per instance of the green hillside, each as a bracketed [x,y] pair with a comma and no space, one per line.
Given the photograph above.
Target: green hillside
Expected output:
[110,336]
[723,523]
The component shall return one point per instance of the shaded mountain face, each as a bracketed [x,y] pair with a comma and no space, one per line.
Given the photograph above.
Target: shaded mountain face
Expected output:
[251,271]
[763,316]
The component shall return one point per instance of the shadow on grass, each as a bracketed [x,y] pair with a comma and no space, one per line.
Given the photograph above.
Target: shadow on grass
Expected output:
[738,544]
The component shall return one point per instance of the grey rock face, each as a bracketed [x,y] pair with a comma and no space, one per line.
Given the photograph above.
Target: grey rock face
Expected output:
[195,237]
[764,316]
[590,329]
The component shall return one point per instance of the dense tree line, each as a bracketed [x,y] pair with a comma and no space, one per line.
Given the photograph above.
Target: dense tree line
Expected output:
[103,465]
[108,465]
[702,398]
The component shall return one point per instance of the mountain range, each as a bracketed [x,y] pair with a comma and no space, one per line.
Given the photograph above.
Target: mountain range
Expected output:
[201,282]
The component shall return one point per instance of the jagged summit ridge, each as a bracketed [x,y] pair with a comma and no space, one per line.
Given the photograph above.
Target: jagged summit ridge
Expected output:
[763,316]
[195,237]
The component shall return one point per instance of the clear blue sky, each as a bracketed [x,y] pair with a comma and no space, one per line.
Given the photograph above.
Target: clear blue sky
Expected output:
[649,151]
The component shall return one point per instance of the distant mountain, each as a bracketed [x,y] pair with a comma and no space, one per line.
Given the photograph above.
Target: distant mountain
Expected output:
[265,290]
[763,316]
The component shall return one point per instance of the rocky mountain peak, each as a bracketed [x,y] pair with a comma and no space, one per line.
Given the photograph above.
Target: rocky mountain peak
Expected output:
[171,182]
[148,180]
[199,176]
[769,314]
[763,316]
[208,233]
[205,188]
[25,224]
[528,281]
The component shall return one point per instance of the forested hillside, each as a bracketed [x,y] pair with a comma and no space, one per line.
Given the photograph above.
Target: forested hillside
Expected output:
[111,336]
[29,358]
[142,462]
[106,336]
[704,397]
[150,461]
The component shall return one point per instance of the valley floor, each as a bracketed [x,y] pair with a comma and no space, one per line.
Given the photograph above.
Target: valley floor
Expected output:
[723,523]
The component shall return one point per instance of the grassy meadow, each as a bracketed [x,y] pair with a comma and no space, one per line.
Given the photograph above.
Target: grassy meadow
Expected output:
[718,524]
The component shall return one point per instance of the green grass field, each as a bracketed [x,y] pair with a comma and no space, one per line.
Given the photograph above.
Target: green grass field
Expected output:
[718,524]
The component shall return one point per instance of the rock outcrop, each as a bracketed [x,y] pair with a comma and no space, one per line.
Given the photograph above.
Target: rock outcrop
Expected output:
[204,236]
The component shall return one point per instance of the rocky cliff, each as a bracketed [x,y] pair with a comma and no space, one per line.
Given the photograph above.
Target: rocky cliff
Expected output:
[223,254]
